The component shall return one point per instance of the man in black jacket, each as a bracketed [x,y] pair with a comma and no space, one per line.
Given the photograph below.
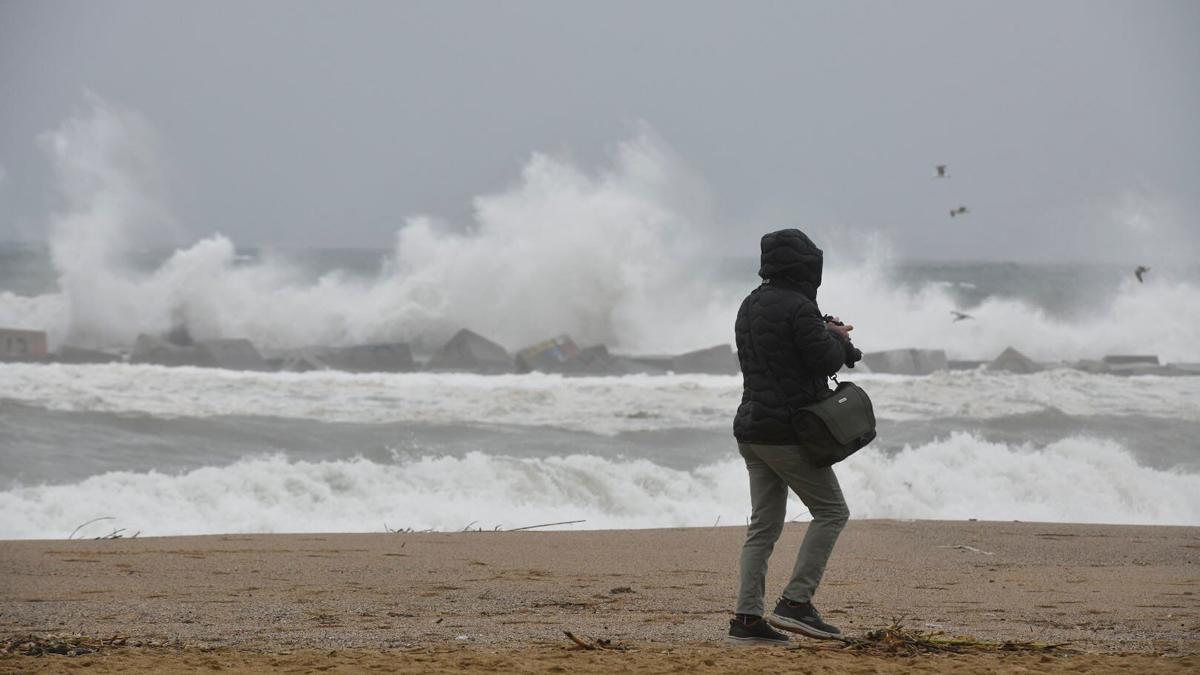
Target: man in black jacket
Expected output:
[787,352]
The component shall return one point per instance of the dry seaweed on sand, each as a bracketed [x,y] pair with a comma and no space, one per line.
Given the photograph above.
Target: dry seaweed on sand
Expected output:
[594,643]
[63,645]
[896,639]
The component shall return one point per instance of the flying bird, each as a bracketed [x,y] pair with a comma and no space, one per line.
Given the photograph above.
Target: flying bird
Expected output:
[940,171]
[960,316]
[1139,272]
[960,211]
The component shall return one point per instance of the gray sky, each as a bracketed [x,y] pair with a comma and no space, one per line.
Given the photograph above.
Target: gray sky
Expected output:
[1070,128]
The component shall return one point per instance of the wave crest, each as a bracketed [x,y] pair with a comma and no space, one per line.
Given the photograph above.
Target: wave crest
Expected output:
[1076,479]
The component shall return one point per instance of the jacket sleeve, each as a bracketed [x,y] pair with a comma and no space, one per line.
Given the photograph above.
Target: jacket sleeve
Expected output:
[820,350]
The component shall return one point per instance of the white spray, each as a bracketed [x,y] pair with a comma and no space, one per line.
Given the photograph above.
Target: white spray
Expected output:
[615,255]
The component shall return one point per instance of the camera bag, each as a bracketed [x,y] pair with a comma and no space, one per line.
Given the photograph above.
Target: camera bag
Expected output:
[834,427]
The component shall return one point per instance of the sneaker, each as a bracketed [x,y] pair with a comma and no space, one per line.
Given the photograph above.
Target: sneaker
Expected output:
[746,629]
[803,618]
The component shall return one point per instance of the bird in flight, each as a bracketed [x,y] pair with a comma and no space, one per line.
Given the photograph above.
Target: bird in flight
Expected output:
[960,316]
[1139,272]
[939,171]
[960,211]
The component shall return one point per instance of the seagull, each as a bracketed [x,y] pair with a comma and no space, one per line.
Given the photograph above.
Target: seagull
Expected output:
[960,316]
[1141,270]
[960,211]
[940,171]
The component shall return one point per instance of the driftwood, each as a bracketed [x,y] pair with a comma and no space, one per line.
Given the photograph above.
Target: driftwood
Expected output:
[972,549]
[531,527]
[93,520]
[498,528]
[582,644]
[593,643]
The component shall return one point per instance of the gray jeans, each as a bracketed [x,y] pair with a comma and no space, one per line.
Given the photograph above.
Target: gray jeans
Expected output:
[773,469]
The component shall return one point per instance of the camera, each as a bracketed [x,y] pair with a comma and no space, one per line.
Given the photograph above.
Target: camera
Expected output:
[853,354]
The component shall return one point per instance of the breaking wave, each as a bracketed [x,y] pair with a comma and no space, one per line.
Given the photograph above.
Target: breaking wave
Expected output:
[1077,479]
[618,255]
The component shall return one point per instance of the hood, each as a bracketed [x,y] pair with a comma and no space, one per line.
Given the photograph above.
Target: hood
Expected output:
[790,256]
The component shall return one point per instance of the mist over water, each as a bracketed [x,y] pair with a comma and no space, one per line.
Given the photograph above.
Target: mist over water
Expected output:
[621,254]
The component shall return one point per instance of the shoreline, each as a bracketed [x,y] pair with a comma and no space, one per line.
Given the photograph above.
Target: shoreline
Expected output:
[546,529]
[1104,589]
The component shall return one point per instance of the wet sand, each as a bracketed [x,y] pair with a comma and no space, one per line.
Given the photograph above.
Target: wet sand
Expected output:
[1123,596]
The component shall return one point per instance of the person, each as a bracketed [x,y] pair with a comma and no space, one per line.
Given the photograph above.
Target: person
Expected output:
[787,351]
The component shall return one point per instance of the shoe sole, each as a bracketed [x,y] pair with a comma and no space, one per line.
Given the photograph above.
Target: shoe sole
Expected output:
[794,626]
[749,641]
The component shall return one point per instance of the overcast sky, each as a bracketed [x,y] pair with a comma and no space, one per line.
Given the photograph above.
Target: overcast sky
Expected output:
[1070,128]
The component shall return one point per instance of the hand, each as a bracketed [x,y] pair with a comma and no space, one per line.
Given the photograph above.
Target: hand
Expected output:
[841,331]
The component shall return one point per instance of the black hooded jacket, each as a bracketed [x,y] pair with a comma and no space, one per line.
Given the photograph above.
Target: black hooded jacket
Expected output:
[783,345]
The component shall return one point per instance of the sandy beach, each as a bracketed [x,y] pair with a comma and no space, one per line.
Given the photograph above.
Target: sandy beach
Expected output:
[1123,597]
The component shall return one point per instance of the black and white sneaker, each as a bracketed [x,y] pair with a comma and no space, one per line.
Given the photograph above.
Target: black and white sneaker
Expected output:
[747,629]
[803,618]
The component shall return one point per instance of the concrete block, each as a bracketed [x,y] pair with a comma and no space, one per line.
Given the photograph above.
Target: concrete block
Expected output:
[562,355]
[1128,365]
[69,354]
[597,360]
[22,344]
[1130,360]
[656,363]
[179,335]
[158,351]
[1143,369]
[1090,366]
[395,357]
[547,356]
[906,361]
[232,354]
[303,360]
[471,352]
[1012,361]
[718,360]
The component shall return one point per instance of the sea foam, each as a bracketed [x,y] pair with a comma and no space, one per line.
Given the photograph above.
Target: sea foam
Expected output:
[1076,479]
[598,405]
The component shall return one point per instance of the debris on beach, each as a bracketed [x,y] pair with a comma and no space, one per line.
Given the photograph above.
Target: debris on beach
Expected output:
[63,645]
[965,547]
[895,639]
[596,643]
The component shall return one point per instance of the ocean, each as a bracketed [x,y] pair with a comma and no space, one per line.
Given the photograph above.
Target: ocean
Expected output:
[162,451]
